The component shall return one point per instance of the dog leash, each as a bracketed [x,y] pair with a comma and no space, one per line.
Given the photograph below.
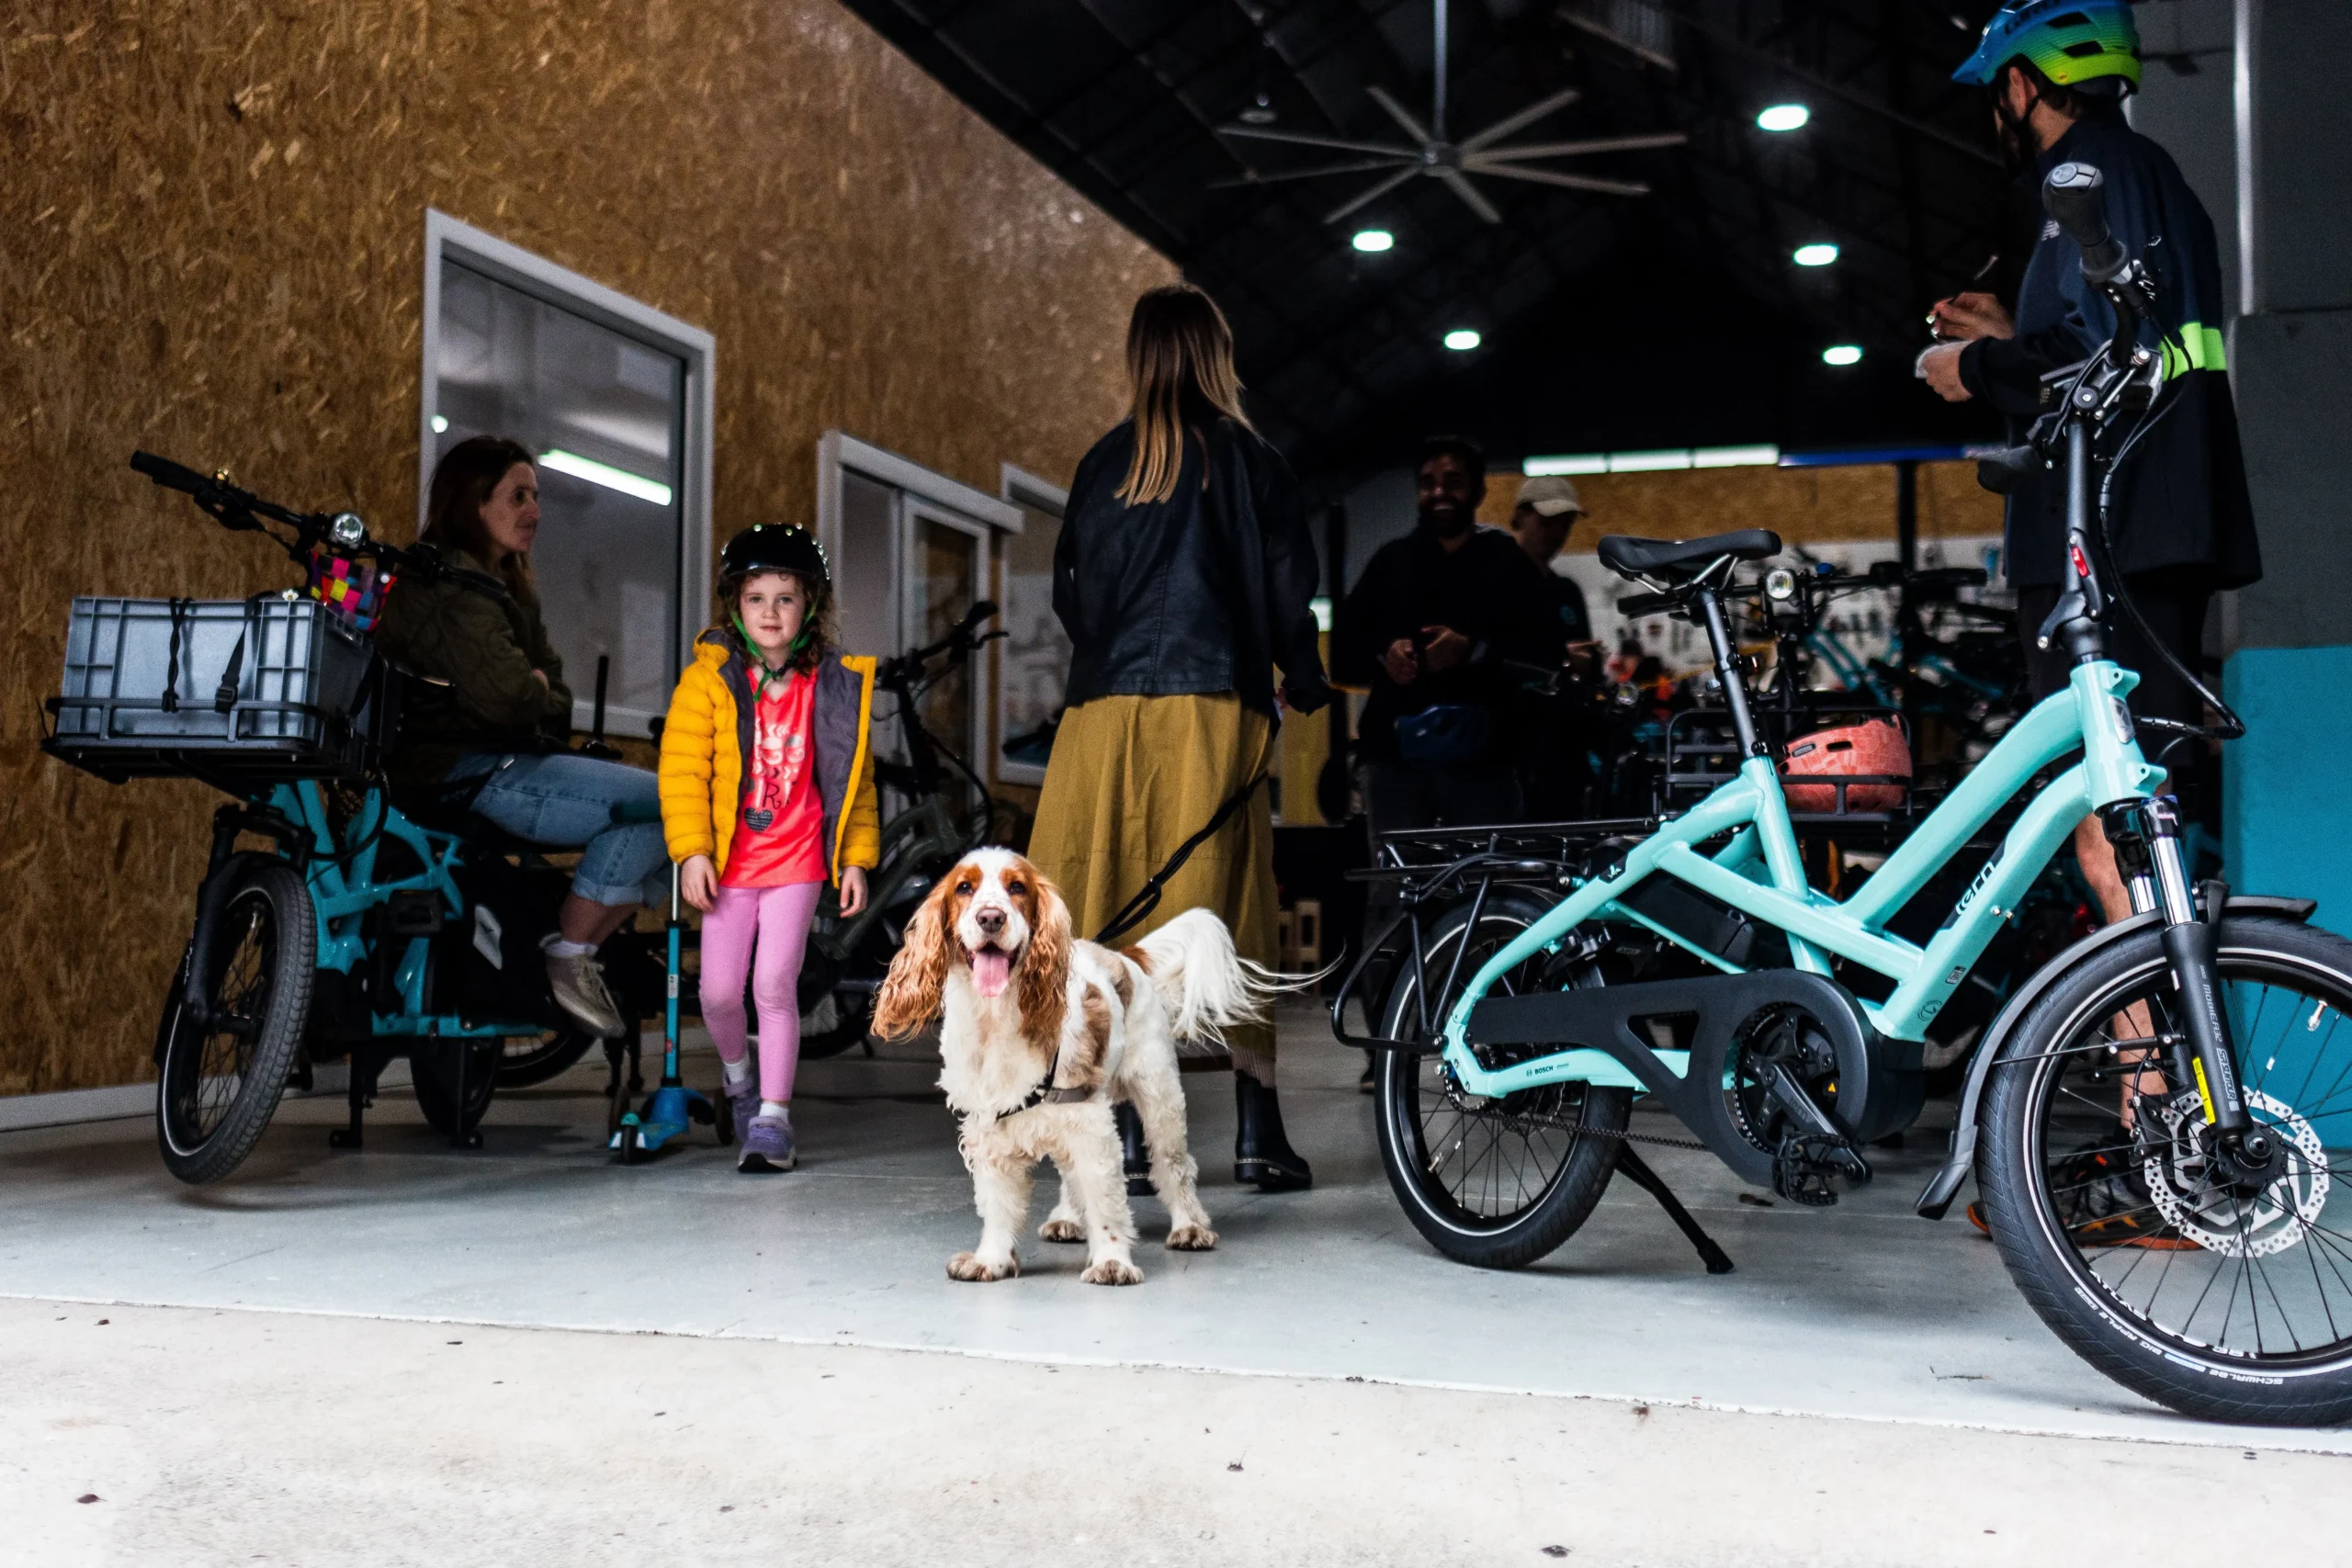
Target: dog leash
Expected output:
[1140,906]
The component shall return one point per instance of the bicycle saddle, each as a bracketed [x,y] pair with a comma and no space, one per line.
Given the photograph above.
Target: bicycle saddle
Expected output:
[1675,558]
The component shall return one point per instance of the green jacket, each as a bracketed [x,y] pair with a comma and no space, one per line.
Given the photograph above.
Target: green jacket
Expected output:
[476,655]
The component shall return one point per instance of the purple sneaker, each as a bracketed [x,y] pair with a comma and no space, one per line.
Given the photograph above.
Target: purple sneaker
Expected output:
[742,1104]
[767,1145]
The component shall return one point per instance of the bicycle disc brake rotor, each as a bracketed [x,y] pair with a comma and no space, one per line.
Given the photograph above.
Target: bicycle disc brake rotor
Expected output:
[2186,1192]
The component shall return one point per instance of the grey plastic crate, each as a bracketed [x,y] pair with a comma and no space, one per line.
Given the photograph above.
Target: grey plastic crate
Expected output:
[298,671]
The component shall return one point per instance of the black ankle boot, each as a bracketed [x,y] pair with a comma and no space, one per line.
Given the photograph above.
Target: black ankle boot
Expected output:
[1133,1155]
[1262,1154]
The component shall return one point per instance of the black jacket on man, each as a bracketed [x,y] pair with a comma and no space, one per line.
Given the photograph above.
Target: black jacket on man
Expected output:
[2180,500]
[1207,591]
[1488,591]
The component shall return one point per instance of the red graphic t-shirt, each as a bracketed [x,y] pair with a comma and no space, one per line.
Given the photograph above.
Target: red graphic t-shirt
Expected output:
[779,837]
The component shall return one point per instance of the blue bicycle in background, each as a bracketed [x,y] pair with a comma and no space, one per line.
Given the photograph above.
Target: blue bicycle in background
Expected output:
[2151,1118]
[333,920]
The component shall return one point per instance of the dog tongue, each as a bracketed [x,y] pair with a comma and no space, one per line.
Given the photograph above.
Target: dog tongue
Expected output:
[991,972]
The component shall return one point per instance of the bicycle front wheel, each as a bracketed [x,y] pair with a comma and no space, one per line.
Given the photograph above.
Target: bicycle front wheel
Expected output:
[1494,1183]
[2224,1294]
[224,1072]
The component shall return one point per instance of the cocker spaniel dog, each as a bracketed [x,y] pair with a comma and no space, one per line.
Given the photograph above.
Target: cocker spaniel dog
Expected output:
[1041,1034]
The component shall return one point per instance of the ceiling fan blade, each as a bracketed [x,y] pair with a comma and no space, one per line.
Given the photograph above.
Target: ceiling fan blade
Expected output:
[1566,182]
[1524,117]
[1360,166]
[1305,139]
[1367,197]
[1399,113]
[1470,196]
[1577,148]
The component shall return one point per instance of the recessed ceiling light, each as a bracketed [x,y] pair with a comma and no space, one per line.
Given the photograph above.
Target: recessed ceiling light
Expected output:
[1784,117]
[1373,239]
[1461,340]
[1816,256]
[1842,354]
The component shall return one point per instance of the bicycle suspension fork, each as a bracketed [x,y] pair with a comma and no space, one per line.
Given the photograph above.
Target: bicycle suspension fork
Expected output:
[2147,836]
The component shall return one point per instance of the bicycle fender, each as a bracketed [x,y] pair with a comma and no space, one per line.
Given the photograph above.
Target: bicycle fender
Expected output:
[208,911]
[1935,1199]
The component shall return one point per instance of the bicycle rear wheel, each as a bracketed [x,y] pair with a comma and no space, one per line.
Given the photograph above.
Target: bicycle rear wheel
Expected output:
[2222,1294]
[221,1074]
[434,1067]
[1494,1183]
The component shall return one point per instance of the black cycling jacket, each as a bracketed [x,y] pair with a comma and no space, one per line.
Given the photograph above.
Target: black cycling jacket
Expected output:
[1205,592]
[2181,500]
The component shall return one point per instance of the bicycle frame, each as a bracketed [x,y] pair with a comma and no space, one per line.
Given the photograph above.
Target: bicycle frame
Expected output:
[343,890]
[1759,873]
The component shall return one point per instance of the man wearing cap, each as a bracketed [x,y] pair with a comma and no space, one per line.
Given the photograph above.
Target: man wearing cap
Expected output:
[2058,72]
[1546,514]
[1554,774]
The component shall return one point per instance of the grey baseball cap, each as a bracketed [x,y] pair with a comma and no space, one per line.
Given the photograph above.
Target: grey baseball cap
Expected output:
[1550,494]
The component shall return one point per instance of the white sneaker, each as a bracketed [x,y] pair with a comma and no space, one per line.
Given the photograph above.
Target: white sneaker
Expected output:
[580,990]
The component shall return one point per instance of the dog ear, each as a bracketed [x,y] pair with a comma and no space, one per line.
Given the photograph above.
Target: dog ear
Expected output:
[1044,975]
[909,997]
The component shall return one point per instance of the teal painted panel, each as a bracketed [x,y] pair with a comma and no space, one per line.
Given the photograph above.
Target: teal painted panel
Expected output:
[2288,812]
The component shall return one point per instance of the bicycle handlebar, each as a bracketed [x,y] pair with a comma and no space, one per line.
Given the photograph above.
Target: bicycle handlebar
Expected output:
[2075,197]
[340,532]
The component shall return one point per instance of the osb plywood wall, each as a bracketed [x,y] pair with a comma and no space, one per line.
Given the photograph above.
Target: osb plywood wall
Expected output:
[213,250]
[1802,505]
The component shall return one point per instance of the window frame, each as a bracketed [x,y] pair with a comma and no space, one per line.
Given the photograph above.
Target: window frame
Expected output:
[448,239]
[920,492]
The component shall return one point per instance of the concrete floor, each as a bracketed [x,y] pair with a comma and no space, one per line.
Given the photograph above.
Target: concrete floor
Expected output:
[1861,1313]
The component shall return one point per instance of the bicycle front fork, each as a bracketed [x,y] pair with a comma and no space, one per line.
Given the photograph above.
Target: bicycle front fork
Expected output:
[2146,837]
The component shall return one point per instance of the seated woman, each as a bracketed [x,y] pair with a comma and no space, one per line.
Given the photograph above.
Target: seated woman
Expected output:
[494,735]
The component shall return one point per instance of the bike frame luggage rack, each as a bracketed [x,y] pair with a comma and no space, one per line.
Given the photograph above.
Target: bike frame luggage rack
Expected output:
[1433,865]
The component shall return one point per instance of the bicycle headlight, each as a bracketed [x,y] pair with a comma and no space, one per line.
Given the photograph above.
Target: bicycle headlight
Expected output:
[346,529]
[1780,584]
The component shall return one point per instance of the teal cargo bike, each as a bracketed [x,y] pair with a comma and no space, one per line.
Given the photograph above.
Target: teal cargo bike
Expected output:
[2152,1117]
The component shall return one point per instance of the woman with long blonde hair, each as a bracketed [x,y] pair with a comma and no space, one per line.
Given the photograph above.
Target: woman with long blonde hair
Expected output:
[1183,577]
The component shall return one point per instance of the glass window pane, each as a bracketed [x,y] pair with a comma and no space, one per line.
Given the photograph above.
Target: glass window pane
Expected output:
[942,585]
[1034,654]
[605,414]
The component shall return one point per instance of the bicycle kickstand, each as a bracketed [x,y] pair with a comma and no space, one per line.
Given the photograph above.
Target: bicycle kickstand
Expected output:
[1637,1169]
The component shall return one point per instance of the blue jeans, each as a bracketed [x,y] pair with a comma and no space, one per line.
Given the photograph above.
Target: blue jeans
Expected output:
[565,801]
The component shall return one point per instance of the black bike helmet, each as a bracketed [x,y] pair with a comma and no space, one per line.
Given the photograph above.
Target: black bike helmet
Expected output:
[776,546]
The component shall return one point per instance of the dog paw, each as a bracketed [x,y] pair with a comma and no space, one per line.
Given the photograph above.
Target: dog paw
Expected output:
[1112,1271]
[1062,1230]
[1191,1238]
[968,1266]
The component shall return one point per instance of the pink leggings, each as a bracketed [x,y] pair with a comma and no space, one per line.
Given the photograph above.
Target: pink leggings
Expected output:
[776,918]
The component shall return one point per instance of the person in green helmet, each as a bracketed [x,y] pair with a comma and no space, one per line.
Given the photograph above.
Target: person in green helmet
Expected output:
[2058,73]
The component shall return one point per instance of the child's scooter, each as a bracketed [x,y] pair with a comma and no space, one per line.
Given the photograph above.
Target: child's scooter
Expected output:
[671,1109]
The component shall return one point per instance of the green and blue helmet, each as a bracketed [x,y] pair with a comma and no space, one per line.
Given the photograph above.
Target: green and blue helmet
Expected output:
[2070,42]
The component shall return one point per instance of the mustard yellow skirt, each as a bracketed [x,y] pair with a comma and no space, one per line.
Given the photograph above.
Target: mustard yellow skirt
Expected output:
[1132,778]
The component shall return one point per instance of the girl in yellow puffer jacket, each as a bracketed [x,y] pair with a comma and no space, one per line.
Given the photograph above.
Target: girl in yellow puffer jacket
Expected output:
[767,793]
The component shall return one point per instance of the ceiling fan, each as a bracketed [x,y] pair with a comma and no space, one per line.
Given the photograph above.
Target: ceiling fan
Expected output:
[1484,153]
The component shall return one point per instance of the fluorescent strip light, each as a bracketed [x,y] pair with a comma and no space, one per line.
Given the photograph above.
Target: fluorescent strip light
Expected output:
[1575,463]
[1784,117]
[1374,240]
[1735,456]
[1462,340]
[621,479]
[1817,255]
[1656,462]
[1842,354]
[1648,462]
